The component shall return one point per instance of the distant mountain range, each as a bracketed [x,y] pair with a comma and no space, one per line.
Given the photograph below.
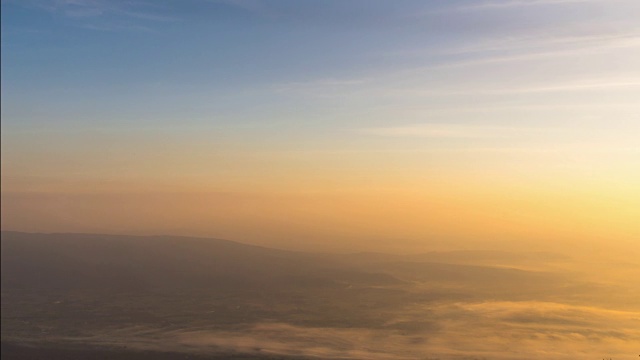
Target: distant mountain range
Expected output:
[137,263]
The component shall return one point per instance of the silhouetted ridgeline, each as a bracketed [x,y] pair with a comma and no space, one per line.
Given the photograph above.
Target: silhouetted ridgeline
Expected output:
[136,263]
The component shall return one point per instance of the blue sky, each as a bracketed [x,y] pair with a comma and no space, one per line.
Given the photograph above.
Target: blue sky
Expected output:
[151,59]
[263,96]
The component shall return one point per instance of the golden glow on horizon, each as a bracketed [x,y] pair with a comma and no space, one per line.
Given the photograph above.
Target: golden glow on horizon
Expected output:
[465,212]
[331,198]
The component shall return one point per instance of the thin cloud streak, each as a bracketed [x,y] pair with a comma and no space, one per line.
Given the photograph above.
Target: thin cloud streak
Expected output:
[515,52]
[454,131]
[568,87]
[625,42]
[523,3]
[88,9]
[549,41]
[255,7]
[387,87]
[588,47]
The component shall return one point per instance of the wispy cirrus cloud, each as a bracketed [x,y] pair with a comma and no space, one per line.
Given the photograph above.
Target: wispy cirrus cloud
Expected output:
[548,43]
[534,28]
[257,7]
[104,15]
[566,87]
[521,3]
[454,131]
[405,86]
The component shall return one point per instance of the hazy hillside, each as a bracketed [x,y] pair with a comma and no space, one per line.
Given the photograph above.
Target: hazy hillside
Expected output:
[136,263]
[110,262]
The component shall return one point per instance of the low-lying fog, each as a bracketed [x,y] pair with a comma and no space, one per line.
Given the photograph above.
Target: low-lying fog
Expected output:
[206,295]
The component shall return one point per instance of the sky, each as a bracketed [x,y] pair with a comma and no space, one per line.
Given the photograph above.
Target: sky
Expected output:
[328,125]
